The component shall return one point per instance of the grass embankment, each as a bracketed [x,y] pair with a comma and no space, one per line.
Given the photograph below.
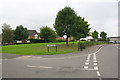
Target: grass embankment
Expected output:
[41,48]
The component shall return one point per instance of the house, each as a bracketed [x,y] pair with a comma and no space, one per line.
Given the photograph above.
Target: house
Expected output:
[33,34]
[114,39]
[60,38]
[88,38]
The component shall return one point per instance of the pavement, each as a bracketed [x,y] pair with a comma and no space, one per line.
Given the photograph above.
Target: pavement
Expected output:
[99,61]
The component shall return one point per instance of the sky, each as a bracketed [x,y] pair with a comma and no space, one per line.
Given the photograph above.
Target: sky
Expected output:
[102,15]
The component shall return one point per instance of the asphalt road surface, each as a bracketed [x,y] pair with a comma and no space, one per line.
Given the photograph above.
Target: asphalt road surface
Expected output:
[93,62]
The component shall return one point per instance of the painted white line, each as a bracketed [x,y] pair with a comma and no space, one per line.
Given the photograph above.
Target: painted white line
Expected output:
[38,66]
[0,63]
[85,67]
[86,63]
[87,60]
[88,57]
[95,64]
[30,66]
[95,61]
[97,51]
[94,58]
[89,69]
[95,68]
[98,73]
[117,46]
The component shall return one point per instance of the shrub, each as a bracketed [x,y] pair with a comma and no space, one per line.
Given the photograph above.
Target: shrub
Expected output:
[60,40]
[37,41]
[83,45]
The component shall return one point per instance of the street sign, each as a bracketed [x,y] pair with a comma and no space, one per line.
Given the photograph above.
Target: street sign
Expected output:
[51,46]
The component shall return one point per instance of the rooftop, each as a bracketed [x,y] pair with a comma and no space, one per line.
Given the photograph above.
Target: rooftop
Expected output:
[32,32]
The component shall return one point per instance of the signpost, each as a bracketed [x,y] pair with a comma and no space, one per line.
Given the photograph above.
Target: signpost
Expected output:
[51,46]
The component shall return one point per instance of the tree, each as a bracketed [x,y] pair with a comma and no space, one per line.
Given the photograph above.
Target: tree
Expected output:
[7,34]
[21,33]
[103,36]
[108,40]
[47,33]
[64,22]
[80,28]
[95,35]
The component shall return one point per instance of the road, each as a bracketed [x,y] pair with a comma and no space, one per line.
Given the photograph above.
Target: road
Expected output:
[94,62]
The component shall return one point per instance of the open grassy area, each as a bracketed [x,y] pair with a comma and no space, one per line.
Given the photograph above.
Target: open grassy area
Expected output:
[41,48]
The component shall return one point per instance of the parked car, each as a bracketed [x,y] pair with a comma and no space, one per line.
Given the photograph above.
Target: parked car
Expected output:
[116,42]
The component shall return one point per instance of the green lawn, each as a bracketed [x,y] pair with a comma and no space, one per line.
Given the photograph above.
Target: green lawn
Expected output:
[40,49]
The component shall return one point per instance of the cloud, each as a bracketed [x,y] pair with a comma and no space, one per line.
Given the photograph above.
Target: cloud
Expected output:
[33,14]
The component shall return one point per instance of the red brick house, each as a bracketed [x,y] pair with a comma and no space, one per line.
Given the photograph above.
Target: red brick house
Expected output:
[33,34]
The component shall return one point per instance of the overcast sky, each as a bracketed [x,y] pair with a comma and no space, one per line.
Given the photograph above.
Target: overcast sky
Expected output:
[102,15]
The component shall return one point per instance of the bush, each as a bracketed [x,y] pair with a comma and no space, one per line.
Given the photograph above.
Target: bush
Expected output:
[37,41]
[71,40]
[60,40]
[83,45]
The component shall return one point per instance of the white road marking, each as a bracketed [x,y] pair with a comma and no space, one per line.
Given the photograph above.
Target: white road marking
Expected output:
[116,45]
[30,66]
[0,63]
[90,69]
[98,73]
[85,67]
[95,68]
[95,64]
[38,66]
[88,57]
[86,63]
[97,51]
[95,61]
[94,58]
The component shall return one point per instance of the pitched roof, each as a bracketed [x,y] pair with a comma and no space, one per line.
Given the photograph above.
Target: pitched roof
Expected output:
[32,32]
[115,37]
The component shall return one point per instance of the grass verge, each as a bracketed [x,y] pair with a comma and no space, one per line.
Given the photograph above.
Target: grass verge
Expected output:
[41,48]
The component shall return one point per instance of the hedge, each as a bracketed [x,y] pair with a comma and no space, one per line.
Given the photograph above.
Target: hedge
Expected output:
[36,41]
[83,45]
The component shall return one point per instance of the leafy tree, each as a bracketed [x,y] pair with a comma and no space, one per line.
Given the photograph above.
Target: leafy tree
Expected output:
[21,33]
[95,35]
[64,22]
[80,28]
[7,34]
[108,40]
[103,36]
[47,34]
